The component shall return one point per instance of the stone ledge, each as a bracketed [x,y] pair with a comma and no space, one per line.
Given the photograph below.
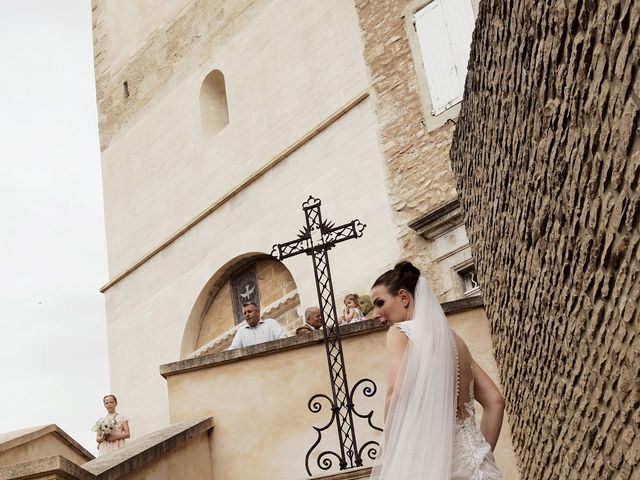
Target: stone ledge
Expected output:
[354,474]
[56,467]
[463,304]
[298,341]
[267,348]
[439,220]
[20,437]
[146,449]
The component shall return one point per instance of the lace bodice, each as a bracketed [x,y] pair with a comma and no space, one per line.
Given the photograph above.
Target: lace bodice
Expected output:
[472,456]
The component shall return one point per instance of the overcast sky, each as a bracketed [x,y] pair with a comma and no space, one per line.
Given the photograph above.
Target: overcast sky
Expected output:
[53,355]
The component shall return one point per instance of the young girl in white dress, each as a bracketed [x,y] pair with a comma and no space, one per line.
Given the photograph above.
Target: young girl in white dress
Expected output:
[116,439]
[430,431]
[351,312]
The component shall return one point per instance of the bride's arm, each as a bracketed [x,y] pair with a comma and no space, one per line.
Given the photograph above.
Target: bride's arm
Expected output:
[492,401]
[396,344]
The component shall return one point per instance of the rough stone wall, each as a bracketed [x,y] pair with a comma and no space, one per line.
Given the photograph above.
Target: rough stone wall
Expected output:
[546,155]
[418,175]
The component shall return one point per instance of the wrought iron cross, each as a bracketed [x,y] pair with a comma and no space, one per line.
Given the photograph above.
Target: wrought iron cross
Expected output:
[315,240]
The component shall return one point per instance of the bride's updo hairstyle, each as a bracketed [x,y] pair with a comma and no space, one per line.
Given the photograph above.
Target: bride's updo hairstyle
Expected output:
[403,276]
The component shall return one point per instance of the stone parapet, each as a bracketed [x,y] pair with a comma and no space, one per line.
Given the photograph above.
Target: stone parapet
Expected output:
[229,356]
[438,220]
[260,396]
[201,359]
[49,468]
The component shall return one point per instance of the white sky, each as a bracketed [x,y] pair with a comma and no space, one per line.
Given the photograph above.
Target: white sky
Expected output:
[53,351]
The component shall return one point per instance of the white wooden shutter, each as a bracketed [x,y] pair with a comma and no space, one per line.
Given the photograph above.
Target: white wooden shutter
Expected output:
[444,29]
[460,21]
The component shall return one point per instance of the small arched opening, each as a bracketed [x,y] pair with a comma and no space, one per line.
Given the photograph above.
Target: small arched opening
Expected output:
[214,111]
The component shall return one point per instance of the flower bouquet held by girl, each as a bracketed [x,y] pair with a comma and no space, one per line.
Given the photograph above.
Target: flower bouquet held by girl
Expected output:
[104,425]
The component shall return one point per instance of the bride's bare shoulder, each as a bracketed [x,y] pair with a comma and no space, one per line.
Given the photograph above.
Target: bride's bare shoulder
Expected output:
[396,337]
[394,330]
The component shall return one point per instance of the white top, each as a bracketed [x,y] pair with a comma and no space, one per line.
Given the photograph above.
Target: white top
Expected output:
[406,327]
[358,317]
[266,330]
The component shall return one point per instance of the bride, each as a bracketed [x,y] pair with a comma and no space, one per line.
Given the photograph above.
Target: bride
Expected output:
[430,430]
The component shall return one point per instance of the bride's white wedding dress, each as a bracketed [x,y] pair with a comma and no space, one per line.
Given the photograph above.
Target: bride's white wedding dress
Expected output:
[430,430]
[472,456]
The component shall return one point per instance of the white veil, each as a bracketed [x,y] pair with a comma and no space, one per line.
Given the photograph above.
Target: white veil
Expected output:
[419,428]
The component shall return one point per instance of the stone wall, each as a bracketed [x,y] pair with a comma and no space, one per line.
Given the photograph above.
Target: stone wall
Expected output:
[160,172]
[143,45]
[39,442]
[546,155]
[418,175]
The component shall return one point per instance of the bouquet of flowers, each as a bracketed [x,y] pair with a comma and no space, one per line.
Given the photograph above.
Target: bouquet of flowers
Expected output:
[104,425]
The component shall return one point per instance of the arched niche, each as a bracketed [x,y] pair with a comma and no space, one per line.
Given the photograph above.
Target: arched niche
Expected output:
[214,111]
[212,321]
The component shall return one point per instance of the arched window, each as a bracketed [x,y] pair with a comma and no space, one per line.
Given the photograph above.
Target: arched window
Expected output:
[214,113]
[217,311]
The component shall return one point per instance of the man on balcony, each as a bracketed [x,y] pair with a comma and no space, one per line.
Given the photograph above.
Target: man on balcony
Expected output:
[256,330]
[312,321]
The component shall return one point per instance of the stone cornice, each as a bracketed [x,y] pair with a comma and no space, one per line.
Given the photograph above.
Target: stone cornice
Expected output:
[445,217]
[54,467]
[463,304]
